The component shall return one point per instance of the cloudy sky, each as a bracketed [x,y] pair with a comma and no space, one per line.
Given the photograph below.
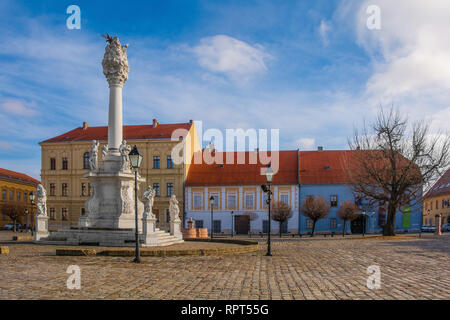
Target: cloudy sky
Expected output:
[309,68]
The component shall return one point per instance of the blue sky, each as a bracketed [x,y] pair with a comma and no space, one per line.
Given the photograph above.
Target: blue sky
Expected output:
[309,68]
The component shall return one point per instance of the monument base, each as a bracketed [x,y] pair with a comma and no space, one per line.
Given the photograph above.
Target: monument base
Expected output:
[41,228]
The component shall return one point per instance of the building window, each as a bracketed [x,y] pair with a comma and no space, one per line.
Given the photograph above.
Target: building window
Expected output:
[231,201]
[309,223]
[83,189]
[4,195]
[64,214]
[216,200]
[156,189]
[11,196]
[64,190]
[198,224]
[156,161]
[18,196]
[52,214]
[167,216]
[25,197]
[333,223]
[83,211]
[169,162]
[249,201]
[4,216]
[284,198]
[169,189]
[333,200]
[265,197]
[52,163]
[52,189]
[65,164]
[265,226]
[198,201]
[86,160]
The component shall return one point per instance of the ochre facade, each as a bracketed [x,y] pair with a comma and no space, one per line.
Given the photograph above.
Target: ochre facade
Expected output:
[68,190]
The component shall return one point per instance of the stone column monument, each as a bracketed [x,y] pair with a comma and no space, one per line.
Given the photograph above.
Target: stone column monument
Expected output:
[111,205]
[41,216]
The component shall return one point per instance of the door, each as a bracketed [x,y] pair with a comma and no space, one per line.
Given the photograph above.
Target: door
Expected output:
[242,224]
[217,226]
[357,225]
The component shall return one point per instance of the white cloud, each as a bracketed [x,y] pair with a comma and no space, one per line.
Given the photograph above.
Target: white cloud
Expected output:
[324,28]
[230,56]
[414,46]
[305,143]
[18,107]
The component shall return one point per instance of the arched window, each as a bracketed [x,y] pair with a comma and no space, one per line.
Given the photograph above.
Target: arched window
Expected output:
[86,160]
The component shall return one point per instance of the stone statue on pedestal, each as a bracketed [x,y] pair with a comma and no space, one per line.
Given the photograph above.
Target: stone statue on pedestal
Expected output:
[148,198]
[104,151]
[175,221]
[124,150]
[41,216]
[93,157]
[41,195]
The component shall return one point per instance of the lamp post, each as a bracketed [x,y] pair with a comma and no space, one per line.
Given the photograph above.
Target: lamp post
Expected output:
[211,204]
[266,189]
[135,161]
[26,220]
[32,197]
[232,223]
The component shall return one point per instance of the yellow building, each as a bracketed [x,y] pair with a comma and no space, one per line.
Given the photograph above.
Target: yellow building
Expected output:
[15,188]
[65,161]
[437,201]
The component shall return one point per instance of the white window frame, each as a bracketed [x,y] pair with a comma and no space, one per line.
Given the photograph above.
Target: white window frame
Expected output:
[199,196]
[235,200]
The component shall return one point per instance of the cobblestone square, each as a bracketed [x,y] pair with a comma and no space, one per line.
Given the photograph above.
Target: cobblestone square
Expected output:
[319,268]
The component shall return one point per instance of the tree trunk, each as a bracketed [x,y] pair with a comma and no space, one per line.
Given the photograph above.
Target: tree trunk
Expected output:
[280,227]
[313,228]
[343,230]
[389,227]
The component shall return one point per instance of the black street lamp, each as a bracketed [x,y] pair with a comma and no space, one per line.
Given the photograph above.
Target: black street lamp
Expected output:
[266,189]
[135,161]
[32,197]
[211,204]
[232,223]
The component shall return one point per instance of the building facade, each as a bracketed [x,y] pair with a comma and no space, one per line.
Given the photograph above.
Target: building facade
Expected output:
[322,173]
[437,201]
[239,202]
[65,161]
[16,188]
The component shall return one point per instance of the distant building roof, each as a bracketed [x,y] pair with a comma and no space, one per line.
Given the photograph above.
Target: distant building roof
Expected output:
[441,187]
[17,176]
[323,167]
[136,132]
[242,174]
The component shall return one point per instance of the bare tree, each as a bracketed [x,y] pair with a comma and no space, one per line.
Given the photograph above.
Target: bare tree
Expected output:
[14,210]
[315,208]
[392,161]
[281,212]
[347,211]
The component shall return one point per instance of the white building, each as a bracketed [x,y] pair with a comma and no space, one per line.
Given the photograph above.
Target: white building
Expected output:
[236,188]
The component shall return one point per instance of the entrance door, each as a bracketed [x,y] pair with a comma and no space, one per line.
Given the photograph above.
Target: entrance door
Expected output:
[357,224]
[242,224]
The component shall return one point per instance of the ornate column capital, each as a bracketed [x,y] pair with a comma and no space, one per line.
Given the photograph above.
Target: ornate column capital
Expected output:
[115,63]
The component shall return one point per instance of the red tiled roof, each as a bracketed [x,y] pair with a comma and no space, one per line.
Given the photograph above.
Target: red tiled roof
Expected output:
[323,167]
[441,187]
[8,174]
[161,131]
[242,174]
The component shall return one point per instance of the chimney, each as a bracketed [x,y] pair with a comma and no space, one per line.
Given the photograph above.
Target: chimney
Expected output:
[191,121]
[85,125]
[155,123]
[320,148]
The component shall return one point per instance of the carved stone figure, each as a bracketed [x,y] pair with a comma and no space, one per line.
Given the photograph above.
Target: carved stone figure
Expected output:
[104,150]
[174,210]
[93,158]
[124,150]
[127,203]
[115,62]
[41,195]
[148,198]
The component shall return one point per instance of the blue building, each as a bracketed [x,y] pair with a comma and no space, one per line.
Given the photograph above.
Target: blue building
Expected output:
[321,173]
